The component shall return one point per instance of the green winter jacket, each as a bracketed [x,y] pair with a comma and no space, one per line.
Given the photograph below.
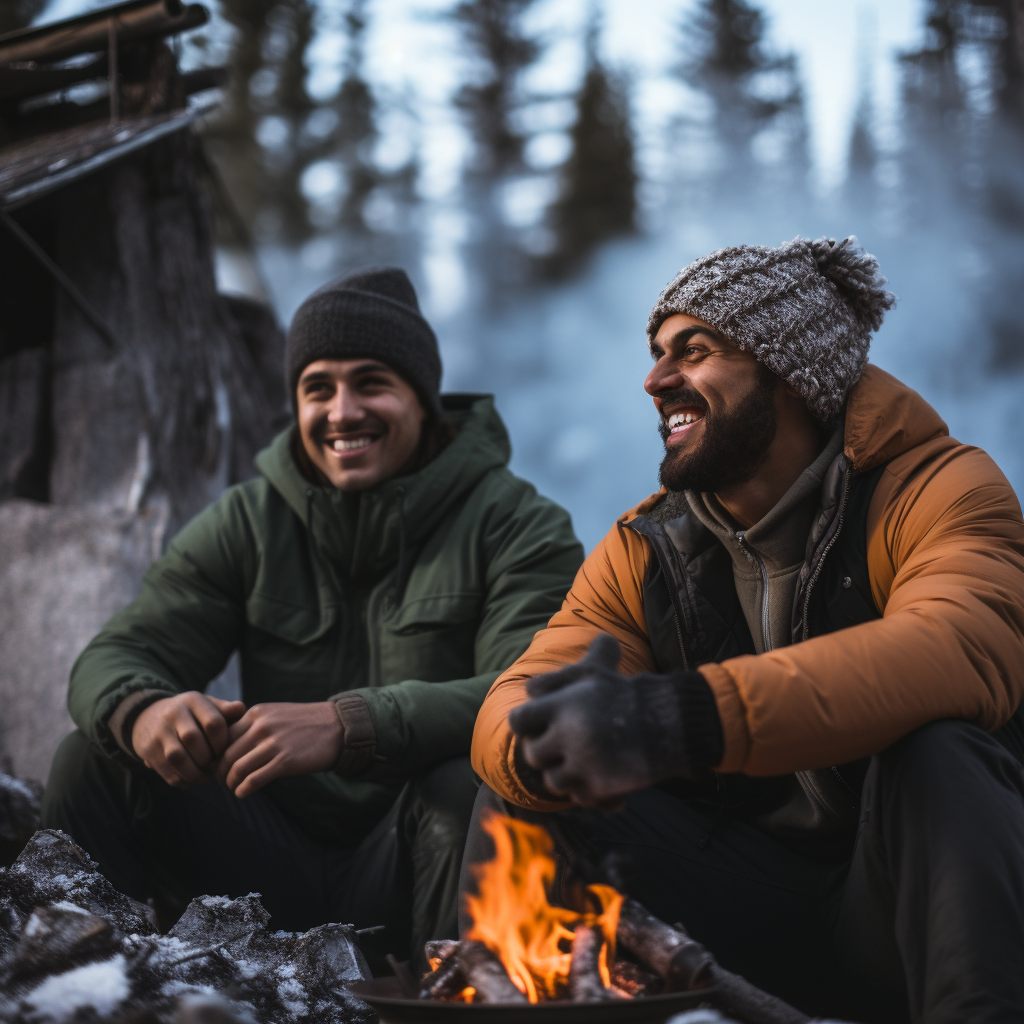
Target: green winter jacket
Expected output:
[414,596]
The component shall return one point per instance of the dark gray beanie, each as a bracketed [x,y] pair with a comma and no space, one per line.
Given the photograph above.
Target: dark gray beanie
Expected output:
[805,309]
[371,314]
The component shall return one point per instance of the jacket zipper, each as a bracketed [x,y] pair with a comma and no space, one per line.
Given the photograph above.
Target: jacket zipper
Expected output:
[821,560]
[766,634]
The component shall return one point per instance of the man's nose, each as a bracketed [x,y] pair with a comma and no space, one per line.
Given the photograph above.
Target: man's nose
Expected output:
[665,376]
[345,407]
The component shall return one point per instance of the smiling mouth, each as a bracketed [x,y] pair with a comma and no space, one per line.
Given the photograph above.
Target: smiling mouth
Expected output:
[348,445]
[683,421]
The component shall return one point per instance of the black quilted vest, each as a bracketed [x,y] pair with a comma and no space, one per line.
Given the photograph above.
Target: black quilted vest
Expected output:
[694,616]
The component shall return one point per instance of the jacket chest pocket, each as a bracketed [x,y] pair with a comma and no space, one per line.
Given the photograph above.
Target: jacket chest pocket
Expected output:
[431,638]
[287,650]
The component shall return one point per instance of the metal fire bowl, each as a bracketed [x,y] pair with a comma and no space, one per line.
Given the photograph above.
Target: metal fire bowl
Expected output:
[385,996]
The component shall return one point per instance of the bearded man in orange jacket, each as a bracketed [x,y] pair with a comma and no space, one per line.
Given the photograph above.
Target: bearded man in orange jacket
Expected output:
[784,691]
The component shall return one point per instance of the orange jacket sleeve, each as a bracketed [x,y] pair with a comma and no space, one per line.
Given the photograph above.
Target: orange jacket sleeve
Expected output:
[606,596]
[946,561]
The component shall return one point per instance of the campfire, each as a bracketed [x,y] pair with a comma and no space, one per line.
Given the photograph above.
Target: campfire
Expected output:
[522,949]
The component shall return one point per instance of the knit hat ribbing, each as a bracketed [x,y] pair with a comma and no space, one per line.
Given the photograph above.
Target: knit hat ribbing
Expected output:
[373,314]
[806,309]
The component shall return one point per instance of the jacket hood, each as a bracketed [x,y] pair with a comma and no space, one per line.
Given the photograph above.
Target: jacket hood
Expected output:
[363,533]
[885,418]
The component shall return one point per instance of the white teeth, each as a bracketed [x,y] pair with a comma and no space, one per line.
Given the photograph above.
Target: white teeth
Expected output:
[347,446]
[681,419]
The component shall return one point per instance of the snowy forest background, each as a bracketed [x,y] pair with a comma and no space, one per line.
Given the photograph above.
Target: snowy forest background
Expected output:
[541,190]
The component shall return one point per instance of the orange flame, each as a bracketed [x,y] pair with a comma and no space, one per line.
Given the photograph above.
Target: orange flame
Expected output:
[514,919]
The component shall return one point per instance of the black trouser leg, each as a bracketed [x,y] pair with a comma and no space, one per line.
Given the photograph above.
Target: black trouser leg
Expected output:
[148,837]
[405,874]
[935,894]
[761,909]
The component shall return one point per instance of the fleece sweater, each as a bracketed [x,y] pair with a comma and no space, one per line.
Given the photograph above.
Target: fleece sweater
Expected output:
[767,557]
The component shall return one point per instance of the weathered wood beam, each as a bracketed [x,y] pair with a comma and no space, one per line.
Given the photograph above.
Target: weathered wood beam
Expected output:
[91,33]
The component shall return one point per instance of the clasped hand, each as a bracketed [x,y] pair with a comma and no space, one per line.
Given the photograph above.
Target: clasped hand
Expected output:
[190,738]
[595,734]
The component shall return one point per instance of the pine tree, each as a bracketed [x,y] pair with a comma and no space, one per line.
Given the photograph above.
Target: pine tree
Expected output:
[597,199]
[357,129]
[494,35]
[231,133]
[999,26]
[493,31]
[935,118]
[860,191]
[747,91]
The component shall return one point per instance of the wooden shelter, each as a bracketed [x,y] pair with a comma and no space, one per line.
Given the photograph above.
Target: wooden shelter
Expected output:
[131,392]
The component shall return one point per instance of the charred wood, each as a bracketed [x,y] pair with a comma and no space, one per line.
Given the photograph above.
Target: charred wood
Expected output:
[682,963]
[634,981]
[447,980]
[685,964]
[486,973]
[440,949]
[585,984]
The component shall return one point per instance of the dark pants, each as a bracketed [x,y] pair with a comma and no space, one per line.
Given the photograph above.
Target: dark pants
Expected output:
[923,922]
[152,840]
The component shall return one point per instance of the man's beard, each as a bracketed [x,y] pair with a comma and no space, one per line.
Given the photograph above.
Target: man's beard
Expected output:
[734,446]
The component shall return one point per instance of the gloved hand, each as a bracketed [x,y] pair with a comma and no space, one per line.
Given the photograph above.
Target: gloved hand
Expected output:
[595,735]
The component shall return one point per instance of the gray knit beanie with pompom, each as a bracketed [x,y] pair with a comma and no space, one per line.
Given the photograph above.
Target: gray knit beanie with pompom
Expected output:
[805,309]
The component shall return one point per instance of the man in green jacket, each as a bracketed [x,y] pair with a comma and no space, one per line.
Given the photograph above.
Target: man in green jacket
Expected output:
[375,580]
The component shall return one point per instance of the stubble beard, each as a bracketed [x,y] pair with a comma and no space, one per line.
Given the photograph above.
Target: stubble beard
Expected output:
[735,443]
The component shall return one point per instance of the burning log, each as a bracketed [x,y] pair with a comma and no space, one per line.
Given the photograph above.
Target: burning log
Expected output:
[632,980]
[585,984]
[672,955]
[685,964]
[440,949]
[484,972]
[446,980]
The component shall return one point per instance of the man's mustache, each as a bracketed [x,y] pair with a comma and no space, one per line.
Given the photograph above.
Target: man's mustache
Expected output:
[370,422]
[681,396]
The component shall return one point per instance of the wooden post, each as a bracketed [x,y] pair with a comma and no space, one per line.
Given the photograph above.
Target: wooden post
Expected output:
[115,85]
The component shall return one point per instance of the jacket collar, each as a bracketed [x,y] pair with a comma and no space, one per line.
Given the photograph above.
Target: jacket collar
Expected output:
[883,419]
[362,534]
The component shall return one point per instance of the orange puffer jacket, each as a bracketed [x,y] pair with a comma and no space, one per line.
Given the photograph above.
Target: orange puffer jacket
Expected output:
[945,558]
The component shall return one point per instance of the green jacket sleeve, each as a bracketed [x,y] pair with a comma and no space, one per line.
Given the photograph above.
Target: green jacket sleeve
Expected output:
[532,557]
[178,633]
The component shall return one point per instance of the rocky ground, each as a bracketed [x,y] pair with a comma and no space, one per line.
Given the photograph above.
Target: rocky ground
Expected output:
[74,949]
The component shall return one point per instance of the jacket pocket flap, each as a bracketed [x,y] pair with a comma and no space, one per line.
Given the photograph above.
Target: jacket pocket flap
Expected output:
[438,611]
[298,624]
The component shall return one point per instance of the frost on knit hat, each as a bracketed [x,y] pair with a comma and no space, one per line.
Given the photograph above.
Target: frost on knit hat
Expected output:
[805,309]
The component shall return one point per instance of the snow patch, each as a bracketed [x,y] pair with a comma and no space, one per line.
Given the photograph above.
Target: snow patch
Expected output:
[101,987]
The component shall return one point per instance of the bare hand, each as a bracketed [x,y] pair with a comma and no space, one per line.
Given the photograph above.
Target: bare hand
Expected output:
[181,737]
[274,740]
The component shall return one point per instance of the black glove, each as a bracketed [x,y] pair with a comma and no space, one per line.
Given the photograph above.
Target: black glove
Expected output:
[594,735]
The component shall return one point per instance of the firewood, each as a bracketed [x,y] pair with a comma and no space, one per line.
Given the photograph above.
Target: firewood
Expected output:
[486,973]
[439,949]
[672,955]
[447,980]
[585,984]
[686,964]
[634,981]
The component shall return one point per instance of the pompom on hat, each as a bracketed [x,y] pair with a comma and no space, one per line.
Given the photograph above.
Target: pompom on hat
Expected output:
[806,309]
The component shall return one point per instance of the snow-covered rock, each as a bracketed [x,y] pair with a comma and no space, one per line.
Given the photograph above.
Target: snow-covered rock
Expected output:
[72,948]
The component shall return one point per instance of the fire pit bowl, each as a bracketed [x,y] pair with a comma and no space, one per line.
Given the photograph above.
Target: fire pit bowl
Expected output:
[385,996]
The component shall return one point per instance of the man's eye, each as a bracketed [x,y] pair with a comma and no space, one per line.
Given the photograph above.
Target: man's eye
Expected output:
[373,382]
